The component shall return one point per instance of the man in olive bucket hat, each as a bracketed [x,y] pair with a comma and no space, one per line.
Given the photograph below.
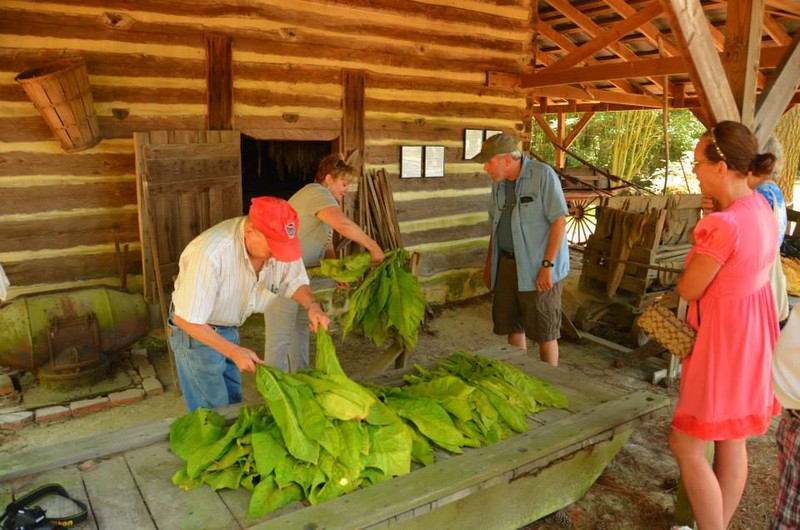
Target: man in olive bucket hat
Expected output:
[528,255]
[228,272]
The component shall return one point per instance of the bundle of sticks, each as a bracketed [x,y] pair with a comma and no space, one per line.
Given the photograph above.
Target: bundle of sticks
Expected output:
[375,210]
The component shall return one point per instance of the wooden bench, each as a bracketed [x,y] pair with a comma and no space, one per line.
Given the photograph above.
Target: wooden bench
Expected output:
[125,476]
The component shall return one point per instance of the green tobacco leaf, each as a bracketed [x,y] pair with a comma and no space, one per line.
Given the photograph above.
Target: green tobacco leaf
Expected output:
[268,497]
[196,429]
[348,269]
[268,448]
[225,479]
[298,415]
[406,306]
[421,449]
[430,418]
[389,448]
[326,360]
[206,455]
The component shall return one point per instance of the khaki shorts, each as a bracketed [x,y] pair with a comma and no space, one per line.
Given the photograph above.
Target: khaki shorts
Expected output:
[536,313]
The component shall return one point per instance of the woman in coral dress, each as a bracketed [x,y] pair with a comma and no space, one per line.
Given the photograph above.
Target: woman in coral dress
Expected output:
[726,383]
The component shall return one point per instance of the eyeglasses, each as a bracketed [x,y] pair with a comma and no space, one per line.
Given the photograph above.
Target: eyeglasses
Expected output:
[696,164]
[340,165]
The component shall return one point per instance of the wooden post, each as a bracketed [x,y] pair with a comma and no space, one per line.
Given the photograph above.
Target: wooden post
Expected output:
[219,82]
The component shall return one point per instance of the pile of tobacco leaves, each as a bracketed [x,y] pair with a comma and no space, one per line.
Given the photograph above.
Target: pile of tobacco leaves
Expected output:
[320,434]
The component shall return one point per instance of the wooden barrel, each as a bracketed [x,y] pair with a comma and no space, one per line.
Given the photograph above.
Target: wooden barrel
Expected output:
[62,93]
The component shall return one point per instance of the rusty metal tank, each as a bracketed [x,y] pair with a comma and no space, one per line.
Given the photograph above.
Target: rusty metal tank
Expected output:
[122,318]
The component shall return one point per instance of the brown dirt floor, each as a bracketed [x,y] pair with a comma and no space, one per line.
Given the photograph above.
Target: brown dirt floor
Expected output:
[636,491]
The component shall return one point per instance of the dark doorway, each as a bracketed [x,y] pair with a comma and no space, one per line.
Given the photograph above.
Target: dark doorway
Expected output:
[278,167]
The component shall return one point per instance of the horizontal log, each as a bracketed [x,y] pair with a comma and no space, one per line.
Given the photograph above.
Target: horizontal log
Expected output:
[433,263]
[438,84]
[390,154]
[111,127]
[455,182]
[436,66]
[287,73]
[65,25]
[476,111]
[389,20]
[454,234]
[108,64]
[381,129]
[69,231]
[440,206]
[49,198]
[269,98]
[69,268]
[25,129]
[289,121]
[20,163]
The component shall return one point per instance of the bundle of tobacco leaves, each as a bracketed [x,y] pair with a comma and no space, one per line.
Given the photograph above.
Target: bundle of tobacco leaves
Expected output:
[388,301]
[320,434]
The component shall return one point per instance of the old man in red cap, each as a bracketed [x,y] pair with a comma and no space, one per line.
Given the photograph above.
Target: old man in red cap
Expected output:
[227,273]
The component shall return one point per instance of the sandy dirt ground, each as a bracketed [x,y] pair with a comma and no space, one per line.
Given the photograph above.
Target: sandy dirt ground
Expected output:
[636,491]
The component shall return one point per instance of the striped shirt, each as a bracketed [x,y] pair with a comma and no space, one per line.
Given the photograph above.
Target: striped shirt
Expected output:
[217,283]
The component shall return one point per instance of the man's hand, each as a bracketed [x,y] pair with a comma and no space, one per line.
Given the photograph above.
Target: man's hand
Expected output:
[317,317]
[544,280]
[246,359]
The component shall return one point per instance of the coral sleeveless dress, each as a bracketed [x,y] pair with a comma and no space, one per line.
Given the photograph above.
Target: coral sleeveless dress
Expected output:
[726,383]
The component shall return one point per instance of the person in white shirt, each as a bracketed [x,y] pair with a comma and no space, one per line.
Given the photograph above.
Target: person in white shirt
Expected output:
[319,210]
[233,269]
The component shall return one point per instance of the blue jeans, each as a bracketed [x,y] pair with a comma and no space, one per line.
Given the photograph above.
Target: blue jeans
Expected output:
[208,379]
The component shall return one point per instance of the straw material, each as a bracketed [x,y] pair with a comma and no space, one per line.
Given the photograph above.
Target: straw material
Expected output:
[668,330]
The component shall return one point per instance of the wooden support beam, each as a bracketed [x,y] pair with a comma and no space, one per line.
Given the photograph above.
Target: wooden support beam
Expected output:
[603,72]
[603,40]
[596,94]
[578,128]
[567,45]
[742,44]
[219,82]
[652,33]
[560,126]
[690,26]
[546,128]
[778,94]
[352,139]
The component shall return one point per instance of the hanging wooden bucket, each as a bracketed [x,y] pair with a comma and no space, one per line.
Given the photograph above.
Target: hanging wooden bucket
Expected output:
[62,93]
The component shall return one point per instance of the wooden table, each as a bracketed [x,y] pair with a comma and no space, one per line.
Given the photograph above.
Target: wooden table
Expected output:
[125,476]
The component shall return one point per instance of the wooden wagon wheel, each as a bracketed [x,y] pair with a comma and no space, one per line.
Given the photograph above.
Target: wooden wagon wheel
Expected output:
[582,219]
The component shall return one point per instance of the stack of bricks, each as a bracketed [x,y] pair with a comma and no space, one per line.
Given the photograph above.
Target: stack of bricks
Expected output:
[144,375]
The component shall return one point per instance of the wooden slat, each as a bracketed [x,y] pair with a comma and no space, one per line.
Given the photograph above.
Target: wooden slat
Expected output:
[122,507]
[56,506]
[172,508]
[43,198]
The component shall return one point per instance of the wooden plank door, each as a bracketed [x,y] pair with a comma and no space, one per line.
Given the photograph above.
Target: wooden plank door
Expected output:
[193,180]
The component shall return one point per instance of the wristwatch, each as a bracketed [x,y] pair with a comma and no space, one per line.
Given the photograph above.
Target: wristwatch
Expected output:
[546,263]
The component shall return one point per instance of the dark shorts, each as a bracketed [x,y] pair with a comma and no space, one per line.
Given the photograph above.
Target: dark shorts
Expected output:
[538,314]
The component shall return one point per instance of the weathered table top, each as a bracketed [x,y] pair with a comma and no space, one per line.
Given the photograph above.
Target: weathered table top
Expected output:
[125,476]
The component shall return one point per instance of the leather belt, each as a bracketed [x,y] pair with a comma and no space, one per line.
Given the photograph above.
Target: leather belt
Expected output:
[506,254]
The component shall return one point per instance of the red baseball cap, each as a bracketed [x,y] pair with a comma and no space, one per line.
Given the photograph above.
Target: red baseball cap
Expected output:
[277,220]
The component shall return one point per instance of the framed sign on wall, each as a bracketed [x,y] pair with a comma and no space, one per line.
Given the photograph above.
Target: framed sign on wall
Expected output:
[418,161]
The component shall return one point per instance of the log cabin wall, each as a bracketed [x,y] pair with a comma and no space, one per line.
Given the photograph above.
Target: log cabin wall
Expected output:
[424,65]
